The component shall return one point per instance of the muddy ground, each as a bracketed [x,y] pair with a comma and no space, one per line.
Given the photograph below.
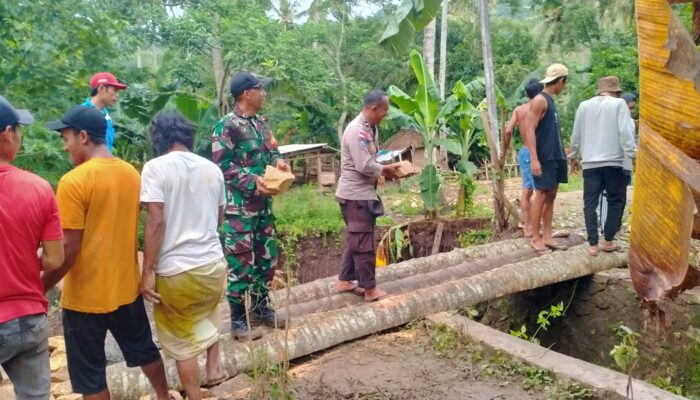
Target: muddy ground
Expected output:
[403,365]
[414,362]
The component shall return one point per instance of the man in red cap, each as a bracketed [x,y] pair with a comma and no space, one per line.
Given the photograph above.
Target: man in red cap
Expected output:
[104,92]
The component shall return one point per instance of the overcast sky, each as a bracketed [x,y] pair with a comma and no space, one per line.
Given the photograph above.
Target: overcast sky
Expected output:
[363,9]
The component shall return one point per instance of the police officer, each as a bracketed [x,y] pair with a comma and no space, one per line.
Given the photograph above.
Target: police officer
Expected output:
[242,146]
[357,196]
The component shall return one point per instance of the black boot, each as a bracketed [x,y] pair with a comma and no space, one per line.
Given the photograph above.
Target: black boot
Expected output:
[239,326]
[267,315]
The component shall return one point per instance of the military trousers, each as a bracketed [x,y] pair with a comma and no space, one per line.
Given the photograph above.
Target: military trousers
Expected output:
[359,258]
[250,247]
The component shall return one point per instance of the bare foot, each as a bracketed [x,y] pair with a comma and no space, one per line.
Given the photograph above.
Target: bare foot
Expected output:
[554,245]
[593,250]
[539,247]
[609,246]
[344,286]
[375,294]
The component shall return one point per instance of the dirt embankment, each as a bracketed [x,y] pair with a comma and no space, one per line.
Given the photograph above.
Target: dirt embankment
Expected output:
[599,305]
[320,255]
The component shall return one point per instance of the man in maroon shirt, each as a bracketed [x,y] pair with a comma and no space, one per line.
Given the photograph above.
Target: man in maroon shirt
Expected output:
[28,217]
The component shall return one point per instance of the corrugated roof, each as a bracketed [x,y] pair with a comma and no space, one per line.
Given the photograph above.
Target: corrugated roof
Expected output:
[302,148]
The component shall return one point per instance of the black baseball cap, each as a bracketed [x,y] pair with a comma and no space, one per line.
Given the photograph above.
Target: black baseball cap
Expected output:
[11,116]
[243,81]
[82,118]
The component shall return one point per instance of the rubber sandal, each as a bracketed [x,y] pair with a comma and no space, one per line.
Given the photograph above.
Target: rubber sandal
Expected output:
[593,253]
[557,246]
[216,382]
[611,249]
[356,290]
[541,251]
[377,298]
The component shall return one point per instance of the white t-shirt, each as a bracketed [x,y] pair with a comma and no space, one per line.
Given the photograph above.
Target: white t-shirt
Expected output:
[192,190]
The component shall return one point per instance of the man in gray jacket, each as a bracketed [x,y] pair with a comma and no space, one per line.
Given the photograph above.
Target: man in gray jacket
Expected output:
[357,195]
[604,136]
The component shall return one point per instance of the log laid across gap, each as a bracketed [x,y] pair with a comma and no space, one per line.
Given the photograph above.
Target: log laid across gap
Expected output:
[325,287]
[320,331]
[419,281]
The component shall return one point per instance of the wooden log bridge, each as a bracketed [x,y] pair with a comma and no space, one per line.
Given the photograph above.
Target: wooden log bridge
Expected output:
[473,280]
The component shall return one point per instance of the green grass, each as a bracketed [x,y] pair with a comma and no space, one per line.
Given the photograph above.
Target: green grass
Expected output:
[481,210]
[474,237]
[305,210]
[386,220]
[575,183]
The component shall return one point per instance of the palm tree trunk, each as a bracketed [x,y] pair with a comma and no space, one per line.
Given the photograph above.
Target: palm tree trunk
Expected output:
[340,126]
[443,47]
[443,71]
[429,46]
[488,73]
[420,281]
[321,288]
[320,331]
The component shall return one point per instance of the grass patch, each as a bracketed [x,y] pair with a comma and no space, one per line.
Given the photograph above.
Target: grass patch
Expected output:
[474,237]
[448,343]
[481,210]
[386,220]
[575,183]
[306,210]
[483,188]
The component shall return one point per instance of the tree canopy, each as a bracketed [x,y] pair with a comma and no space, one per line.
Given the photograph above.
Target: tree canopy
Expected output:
[322,59]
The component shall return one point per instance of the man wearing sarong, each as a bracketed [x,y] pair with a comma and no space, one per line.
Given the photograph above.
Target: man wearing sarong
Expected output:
[183,267]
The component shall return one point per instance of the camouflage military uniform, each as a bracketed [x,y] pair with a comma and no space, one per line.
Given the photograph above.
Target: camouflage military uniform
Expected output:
[242,147]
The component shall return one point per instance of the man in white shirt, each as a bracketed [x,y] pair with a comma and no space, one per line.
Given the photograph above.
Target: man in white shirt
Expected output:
[604,136]
[183,267]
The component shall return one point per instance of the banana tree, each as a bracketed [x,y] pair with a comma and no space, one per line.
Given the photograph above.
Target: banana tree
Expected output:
[410,17]
[462,131]
[425,113]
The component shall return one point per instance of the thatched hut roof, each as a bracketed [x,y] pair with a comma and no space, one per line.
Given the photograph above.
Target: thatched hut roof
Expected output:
[403,139]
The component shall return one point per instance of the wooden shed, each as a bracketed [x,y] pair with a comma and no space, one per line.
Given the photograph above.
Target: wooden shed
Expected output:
[313,162]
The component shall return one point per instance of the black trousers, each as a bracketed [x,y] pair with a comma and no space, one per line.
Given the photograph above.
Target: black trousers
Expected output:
[613,181]
[359,259]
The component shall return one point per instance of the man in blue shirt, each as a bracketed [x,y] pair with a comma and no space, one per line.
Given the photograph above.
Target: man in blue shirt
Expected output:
[104,92]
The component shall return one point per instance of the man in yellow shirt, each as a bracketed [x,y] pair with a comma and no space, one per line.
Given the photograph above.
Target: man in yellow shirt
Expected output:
[98,202]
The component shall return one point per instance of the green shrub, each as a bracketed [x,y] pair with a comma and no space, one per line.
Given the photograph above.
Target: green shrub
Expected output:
[305,210]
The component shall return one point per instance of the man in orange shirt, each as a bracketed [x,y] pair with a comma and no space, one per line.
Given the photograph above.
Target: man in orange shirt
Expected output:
[98,202]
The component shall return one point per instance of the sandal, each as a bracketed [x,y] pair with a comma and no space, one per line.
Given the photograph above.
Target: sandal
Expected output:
[217,381]
[356,290]
[541,251]
[593,252]
[610,249]
[556,246]
[372,300]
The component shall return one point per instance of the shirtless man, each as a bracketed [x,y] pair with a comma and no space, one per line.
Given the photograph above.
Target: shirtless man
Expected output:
[532,89]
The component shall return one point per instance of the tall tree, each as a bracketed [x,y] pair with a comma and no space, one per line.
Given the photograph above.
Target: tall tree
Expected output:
[429,46]
[443,68]
[491,122]
[443,47]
